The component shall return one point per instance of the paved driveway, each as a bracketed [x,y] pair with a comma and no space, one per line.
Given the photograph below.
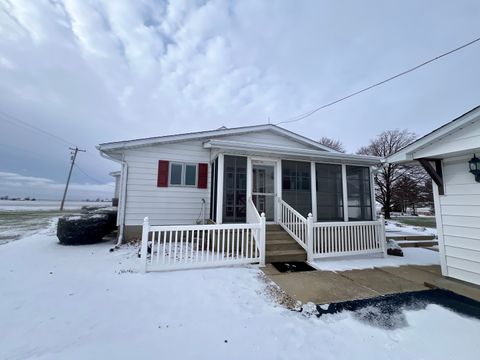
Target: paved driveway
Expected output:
[324,287]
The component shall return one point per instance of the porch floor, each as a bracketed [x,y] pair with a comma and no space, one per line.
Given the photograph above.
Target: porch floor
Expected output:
[325,287]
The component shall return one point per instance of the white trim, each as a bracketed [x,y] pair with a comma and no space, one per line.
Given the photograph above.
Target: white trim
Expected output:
[281,151]
[220,173]
[266,162]
[183,174]
[345,192]
[439,221]
[279,187]
[406,154]
[313,190]
[373,198]
[208,134]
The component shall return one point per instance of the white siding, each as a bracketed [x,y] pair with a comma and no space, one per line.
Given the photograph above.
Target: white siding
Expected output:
[177,205]
[164,205]
[460,218]
[462,140]
[267,138]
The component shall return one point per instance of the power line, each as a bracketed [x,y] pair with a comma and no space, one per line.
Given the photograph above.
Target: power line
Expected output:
[92,178]
[311,112]
[16,121]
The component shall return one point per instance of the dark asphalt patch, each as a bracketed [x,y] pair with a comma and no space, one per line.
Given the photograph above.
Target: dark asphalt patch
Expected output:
[293,266]
[387,311]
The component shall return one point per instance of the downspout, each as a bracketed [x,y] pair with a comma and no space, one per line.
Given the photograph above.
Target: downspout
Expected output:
[123,196]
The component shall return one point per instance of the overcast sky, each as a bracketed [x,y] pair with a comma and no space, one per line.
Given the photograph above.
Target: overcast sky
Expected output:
[96,71]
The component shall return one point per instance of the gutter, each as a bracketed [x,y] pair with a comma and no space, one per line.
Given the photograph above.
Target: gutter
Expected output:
[123,196]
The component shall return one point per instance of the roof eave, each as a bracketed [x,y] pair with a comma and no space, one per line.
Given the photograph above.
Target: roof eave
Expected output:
[406,154]
[204,135]
[289,151]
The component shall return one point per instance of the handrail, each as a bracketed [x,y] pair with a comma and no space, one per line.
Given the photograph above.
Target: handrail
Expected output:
[282,202]
[294,223]
[202,227]
[252,209]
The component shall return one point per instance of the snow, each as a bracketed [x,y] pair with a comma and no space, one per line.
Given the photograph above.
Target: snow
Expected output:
[412,256]
[395,228]
[46,205]
[66,302]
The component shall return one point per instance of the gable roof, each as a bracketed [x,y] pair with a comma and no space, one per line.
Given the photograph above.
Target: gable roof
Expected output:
[119,145]
[406,154]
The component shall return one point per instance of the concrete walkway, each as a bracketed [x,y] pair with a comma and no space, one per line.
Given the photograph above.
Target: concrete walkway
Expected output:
[324,287]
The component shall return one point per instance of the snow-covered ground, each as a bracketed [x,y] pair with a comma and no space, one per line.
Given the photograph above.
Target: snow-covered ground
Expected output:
[44,205]
[412,256]
[61,302]
[398,229]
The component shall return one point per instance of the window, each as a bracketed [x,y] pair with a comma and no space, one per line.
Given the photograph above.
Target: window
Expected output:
[359,193]
[182,174]
[296,185]
[190,175]
[329,192]
[235,189]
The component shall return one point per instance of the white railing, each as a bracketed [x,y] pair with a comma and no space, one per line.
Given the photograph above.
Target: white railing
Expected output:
[253,217]
[198,246]
[293,223]
[347,238]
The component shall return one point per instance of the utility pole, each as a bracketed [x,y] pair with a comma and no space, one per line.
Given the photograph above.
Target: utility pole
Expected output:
[73,153]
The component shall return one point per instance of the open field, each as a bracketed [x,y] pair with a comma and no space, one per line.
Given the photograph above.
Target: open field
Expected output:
[420,221]
[22,218]
[17,224]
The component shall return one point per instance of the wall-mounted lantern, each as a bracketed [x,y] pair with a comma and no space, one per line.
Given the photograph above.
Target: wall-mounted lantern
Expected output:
[474,164]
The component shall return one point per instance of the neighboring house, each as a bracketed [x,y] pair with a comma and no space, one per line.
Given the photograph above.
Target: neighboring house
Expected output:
[116,193]
[448,155]
[213,176]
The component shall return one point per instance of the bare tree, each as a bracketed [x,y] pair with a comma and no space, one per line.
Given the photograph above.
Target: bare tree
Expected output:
[386,144]
[332,144]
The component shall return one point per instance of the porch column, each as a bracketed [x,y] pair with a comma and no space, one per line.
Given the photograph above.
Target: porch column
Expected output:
[372,195]
[220,173]
[278,190]
[249,184]
[344,191]
[313,177]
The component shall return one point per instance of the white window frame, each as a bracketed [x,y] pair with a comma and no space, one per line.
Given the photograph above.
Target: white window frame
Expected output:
[183,174]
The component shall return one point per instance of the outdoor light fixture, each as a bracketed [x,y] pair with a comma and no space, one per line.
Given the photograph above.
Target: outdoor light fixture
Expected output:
[474,164]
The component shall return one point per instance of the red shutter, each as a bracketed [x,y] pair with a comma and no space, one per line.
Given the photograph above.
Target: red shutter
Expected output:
[162,178]
[202,176]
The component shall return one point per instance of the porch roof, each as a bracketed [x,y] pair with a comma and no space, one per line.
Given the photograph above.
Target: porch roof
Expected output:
[290,152]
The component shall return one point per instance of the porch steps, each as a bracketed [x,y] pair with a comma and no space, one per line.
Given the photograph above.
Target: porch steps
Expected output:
[280,247]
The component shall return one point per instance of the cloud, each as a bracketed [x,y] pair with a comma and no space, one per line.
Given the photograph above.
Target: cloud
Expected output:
[13,184]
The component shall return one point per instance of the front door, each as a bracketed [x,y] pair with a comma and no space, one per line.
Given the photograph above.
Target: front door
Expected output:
[263,192]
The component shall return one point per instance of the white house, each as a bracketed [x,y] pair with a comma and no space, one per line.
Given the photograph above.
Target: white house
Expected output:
[230,176]
[448,155]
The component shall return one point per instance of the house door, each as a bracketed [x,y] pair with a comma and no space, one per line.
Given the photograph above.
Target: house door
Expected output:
[263,192]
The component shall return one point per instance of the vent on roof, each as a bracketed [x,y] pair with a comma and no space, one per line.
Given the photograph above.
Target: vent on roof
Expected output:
[222,128]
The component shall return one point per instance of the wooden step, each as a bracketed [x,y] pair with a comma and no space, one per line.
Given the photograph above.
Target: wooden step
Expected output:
[278,235]
[273,227]
[282,245]
[285,255]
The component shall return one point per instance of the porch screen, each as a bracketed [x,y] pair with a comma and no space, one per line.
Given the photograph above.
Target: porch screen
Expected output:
[235,189]
[329,192]
[296,186]
[359,193]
